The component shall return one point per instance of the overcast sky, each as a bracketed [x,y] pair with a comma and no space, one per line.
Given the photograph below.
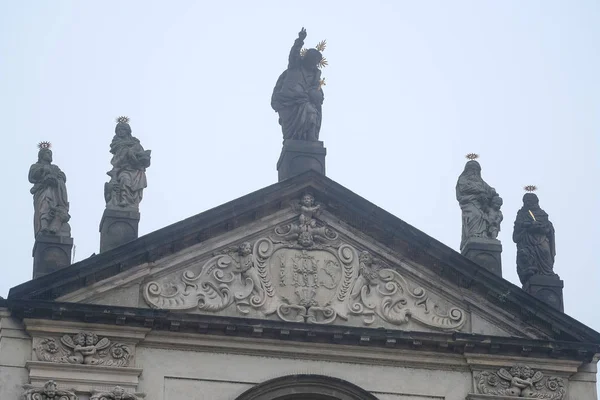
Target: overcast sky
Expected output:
[412,86]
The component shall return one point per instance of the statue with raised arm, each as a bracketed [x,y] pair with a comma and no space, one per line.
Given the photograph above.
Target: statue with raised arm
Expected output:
[50,202]
[128,175]
[534,236]
[298,94]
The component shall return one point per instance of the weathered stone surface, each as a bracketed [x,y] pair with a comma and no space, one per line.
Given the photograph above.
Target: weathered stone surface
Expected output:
[480,205]
[50,200]
[303,272]
[298,96]
[298,156]
[51,253]
[521,381]
[117,393]
[128,175]
[547,288]
[50,391]
[534,235]
[485,252]
[118,227]
[82,348]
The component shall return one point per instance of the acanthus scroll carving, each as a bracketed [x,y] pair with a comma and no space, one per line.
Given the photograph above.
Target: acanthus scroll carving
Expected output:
[303,273]
[83,348]
[521,381]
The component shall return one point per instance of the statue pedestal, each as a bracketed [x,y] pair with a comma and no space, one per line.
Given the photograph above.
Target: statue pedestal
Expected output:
[118,227]
[547,288]
[298,156]
[485,252]
[51,253]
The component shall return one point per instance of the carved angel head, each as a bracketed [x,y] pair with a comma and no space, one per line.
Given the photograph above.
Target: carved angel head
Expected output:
[50,389]
[521,371]
[118,393]
[245,249]
[305,239]
[91,339]
[496,202]
[308,200]
[79,339]
[366,258]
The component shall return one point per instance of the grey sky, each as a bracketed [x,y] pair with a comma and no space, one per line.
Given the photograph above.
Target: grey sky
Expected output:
[411,88]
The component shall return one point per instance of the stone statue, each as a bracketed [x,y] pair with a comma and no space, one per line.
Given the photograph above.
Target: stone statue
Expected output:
[50,202]
[298,95]
[128,176]
[480,205]
[534,236]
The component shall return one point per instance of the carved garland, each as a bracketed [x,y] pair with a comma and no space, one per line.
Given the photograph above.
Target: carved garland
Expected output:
[83,348]
[303,274]
[521,381]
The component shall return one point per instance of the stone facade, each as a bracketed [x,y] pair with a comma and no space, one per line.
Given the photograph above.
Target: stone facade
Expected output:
[303,291]
[168,365]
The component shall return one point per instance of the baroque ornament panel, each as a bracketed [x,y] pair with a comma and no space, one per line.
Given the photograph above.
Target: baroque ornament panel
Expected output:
[521,381]
[303,272]
[83,348]
[117,393]
[50,391]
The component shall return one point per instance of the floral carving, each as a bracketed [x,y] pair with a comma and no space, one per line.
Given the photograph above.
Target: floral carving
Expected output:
[118,393]
[50,391]
[303,273]
[521,381]
[83,348]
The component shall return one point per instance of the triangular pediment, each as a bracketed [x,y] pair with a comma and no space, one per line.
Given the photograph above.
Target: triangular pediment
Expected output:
[334,259]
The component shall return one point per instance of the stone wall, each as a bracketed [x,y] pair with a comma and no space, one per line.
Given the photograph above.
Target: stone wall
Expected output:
[175,365]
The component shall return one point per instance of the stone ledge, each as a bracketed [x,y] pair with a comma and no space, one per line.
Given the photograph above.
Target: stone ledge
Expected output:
[38,327]
[474,396]
[83,378]
[564,368]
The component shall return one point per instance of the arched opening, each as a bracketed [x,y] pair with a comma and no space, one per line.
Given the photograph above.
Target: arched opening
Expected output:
[306,387]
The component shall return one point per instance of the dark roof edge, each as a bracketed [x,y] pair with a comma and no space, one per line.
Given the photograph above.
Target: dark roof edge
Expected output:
[270,329]
[449,263]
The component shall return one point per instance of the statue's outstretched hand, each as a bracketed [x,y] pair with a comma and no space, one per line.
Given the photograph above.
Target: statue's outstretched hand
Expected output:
[302,34]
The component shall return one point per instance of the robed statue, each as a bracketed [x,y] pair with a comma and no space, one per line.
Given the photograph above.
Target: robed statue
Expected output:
[479,203]
[50,201]
[128,175]
[298,94]
[534,236]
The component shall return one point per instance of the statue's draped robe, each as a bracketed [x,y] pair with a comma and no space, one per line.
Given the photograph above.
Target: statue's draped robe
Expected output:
[535,243]
[298,98]
[129,163]
[50,201]
[470,191]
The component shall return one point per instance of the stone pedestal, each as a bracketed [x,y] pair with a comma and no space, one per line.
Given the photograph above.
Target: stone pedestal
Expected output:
[51,253]
[298,156]
[547,288]
[485,252]
[118,227]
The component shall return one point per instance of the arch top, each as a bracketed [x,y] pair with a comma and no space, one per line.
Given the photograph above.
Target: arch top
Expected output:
[306,387]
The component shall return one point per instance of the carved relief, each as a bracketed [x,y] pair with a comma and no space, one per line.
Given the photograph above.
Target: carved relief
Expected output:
[49,392]
[303,273]
[118,393]
[521,381]
[83,348]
